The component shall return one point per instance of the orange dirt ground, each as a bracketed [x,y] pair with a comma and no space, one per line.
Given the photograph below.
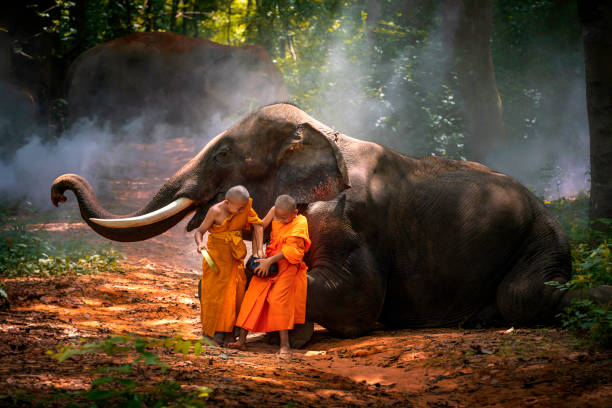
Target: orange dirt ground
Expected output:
[156,296]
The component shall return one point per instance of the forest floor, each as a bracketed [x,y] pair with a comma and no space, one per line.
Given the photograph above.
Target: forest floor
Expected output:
[155,295]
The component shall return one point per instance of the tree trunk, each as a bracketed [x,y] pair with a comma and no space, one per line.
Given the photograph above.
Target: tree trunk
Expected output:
[467,25]
[173,12]
[195,20]
[229,20]
[596,19]
[150,15]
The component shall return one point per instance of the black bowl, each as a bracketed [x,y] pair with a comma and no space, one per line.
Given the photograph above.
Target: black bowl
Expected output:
[251,265]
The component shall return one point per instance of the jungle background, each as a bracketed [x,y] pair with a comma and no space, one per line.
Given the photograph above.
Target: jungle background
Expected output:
[90,322]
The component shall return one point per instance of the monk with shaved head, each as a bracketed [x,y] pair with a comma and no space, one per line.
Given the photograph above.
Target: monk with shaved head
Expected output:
[223,279]
[278,303]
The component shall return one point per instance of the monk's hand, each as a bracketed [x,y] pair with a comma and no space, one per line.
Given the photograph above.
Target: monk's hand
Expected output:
[201,247]
[263,265]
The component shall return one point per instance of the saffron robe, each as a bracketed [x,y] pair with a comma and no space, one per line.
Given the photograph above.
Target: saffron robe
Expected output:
[278,303]
[223,288]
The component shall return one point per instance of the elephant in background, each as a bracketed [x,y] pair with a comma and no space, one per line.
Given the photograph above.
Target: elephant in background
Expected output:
[403,241]
[169,78]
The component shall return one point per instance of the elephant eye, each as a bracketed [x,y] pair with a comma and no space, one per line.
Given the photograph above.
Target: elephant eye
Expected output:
[223,155]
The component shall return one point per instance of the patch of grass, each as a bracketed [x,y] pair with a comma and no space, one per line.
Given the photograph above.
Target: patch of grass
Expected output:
[25,253]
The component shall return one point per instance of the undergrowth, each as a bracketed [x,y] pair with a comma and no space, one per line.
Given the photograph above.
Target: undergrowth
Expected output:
[119,385]
[27,253]
[591,267]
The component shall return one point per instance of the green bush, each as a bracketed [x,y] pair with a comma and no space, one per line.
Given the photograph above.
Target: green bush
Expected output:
[585,315]
[24,253]
[591,267]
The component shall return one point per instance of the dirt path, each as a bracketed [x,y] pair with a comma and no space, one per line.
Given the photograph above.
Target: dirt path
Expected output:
[156,296]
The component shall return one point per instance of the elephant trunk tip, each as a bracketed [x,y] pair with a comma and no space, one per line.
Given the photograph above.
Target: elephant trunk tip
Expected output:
[57,198]
[60,185]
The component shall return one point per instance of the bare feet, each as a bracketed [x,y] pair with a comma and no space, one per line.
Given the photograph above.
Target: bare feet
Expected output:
[210,341]
[227,339]
[237,345]
[285,352]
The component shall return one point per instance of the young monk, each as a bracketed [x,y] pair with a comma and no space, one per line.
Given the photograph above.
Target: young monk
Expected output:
[223,285]
[276,304]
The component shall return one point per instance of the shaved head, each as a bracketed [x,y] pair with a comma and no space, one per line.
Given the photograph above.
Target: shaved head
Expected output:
[285,202]
[237,194]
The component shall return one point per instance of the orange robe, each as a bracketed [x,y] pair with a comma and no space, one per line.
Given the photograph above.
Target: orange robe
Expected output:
[272,304]
[223,289]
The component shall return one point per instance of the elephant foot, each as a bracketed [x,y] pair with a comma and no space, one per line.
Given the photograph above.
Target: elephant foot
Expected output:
[487,316]
[298,337]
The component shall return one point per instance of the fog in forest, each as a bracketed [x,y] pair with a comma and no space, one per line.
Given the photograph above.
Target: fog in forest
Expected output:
[98,154]
[546,148]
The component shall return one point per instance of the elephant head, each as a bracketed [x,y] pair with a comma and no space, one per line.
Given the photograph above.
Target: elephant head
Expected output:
[278,149]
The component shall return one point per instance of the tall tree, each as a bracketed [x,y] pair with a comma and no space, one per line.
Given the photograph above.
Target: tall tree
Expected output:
[173,12]
[468,26]
[596,19]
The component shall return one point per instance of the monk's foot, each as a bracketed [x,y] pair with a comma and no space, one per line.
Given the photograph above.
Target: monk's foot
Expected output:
[210,342]
[237,345]
[227,339]
[285,352]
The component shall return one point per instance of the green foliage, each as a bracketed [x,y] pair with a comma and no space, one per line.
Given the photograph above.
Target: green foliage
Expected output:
[591,267]
[379,76]
[25,253]
[574,216]
[117,385]
[60,21]
[4,299]
[585,315]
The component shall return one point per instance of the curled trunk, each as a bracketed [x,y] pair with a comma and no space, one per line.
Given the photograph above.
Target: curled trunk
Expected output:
[91,209]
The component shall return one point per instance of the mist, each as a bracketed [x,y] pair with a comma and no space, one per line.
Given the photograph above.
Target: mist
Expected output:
[414,108]
[102,156]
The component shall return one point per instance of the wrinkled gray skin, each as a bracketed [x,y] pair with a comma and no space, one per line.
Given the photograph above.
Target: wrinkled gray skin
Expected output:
[398,240]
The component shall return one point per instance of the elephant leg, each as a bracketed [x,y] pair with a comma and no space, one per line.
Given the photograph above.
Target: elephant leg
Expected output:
[345,291]
[523,298]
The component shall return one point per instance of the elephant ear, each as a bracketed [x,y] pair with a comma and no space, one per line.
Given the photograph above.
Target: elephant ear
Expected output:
[310,166]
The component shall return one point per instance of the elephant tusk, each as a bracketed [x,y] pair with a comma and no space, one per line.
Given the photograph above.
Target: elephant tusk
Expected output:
[168,211]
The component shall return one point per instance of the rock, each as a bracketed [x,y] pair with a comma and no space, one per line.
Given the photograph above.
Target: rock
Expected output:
[311,353]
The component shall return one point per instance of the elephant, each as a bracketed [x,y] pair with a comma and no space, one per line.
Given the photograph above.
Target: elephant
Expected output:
[170,79]
[18,118]
[400,241]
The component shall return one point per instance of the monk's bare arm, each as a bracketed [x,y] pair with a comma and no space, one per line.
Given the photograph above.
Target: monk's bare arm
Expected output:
[258,240]
[268,218]
[206,224]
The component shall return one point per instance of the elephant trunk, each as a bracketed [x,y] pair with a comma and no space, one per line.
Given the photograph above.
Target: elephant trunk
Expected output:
[164,210]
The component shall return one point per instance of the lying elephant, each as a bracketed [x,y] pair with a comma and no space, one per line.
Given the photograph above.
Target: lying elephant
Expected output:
[170,78]
[402,241]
